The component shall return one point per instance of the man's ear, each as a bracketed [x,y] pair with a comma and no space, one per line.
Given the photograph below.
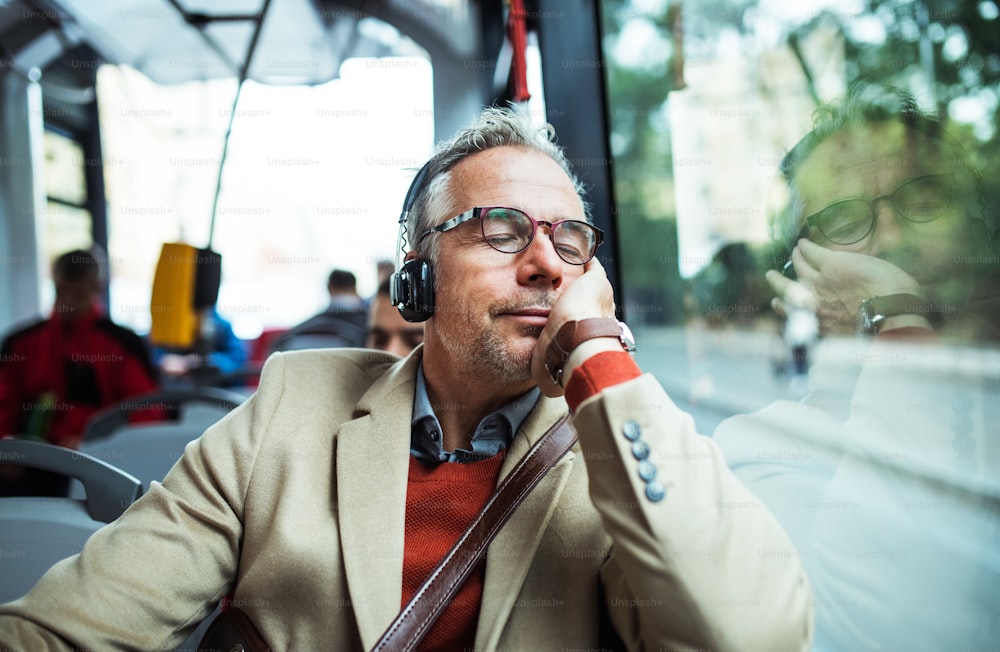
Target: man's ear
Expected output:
[410,255]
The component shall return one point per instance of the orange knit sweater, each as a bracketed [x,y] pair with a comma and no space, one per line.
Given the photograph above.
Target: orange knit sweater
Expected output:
[441,502]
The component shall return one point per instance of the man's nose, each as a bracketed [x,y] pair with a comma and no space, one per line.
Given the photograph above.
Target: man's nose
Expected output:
[539,264]
[889,229]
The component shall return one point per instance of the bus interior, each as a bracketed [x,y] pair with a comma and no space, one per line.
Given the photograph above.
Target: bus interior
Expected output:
[282,135]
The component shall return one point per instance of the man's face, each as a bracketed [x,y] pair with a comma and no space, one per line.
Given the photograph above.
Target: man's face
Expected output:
[878,160]
[490,306]
[74,298]
[388,331]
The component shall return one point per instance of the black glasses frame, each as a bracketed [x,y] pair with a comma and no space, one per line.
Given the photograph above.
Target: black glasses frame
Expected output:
[814,220]
[479,211]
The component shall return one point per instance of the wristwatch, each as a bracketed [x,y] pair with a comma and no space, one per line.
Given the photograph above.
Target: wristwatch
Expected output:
[876,310]
[573,333]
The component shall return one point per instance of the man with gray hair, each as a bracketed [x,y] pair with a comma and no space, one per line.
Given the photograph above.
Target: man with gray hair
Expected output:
[884,473]
[887,224]
[323,502]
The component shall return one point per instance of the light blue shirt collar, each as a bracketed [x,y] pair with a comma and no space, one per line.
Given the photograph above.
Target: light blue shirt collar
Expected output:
[493,434]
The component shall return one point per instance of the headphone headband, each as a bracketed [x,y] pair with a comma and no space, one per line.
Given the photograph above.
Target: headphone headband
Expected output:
[414,190]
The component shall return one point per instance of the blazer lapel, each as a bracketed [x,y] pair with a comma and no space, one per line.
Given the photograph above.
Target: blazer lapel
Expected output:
[372,469]
[513,550]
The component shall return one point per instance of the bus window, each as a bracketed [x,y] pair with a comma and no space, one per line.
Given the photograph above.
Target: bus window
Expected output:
[309,183]
[338,110]
[807,194]
[66,220]
[706,99]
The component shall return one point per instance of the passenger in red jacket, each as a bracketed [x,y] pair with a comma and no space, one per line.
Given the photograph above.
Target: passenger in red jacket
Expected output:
[56,373]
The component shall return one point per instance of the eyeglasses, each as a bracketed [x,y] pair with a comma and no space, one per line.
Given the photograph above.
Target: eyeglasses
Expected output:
[918,201]
[380,337]
[510,231]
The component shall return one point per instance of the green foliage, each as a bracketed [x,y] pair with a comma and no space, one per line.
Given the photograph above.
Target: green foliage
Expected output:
[643,177]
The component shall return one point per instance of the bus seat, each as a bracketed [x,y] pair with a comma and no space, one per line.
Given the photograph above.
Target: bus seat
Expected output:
[36,532]
[300,341]
[320,332]
[202,405]
[260,348]
[145,450]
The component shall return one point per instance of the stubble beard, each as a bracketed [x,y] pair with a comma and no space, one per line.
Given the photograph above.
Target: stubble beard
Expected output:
[486,349]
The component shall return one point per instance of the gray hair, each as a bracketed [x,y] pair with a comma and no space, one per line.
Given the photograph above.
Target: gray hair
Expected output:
[495,127]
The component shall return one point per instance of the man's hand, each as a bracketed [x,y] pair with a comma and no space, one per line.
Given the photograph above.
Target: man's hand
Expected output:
[590,295]
[834,283]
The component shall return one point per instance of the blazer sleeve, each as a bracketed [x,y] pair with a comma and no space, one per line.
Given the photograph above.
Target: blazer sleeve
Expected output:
[148,579]
[697,561]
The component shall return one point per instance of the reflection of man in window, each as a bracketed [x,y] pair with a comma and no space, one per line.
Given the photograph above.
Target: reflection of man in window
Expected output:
[889,224]
[57,372]
[885,474]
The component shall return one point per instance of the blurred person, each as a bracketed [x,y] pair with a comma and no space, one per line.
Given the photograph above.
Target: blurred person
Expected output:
[800,333]
[384,269]
[886,474]
[342,286]
[342,323]
[56,373]
[321,504]
[387,330]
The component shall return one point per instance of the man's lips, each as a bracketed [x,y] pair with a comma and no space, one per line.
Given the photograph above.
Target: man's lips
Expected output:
[532,316]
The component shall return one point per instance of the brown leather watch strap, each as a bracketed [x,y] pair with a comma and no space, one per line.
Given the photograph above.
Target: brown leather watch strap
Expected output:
[873,312]
[571,335]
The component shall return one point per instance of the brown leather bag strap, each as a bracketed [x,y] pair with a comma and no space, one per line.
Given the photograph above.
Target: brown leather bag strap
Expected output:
[232,630]
[423,609]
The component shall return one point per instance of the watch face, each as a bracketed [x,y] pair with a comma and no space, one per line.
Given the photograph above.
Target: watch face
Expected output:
[868,317]
[554,374]
[628,340]
[864,318]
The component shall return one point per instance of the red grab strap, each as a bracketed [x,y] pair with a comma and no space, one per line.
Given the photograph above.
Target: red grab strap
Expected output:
[517,32]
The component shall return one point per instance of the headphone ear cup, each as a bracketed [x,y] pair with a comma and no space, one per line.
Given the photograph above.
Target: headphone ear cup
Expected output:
[412,290]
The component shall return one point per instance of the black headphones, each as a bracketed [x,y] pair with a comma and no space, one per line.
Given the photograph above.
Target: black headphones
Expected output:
[411,287]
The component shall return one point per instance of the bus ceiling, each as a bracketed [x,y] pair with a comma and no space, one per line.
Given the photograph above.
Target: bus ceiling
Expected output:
[472,45]
[301,42]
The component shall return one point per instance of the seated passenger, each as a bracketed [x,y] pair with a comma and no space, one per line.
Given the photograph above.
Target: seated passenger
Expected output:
[322,503]
[387,330]
[56,373]
[341,324]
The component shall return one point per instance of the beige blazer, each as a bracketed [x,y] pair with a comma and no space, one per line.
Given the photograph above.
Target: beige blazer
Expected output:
[295,501]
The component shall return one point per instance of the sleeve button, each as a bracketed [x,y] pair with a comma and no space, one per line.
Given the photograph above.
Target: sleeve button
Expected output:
[640,450]
[647,471]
